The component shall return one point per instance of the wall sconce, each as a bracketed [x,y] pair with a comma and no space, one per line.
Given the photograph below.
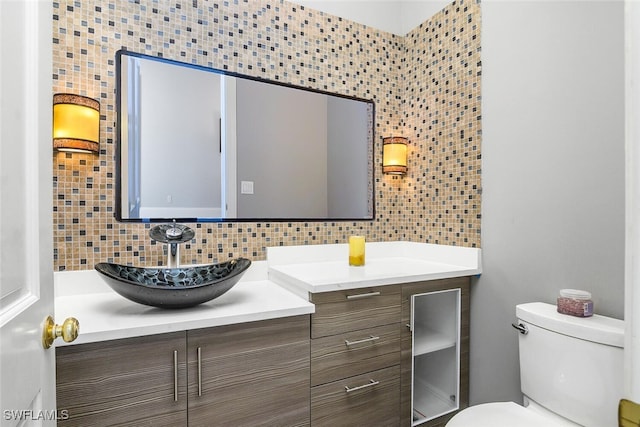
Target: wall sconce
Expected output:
[394,155]
[76,123]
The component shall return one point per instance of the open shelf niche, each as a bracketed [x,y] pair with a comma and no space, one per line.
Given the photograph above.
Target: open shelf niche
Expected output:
[435,324]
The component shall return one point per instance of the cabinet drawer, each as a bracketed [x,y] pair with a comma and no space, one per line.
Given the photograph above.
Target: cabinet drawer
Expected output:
[369,399]
[343,311]
[353,353]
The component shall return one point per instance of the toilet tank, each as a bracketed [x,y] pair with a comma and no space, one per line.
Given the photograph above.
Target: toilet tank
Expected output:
[572,366]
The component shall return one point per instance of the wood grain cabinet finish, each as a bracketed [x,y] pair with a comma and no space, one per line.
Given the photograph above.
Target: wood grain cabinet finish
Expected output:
[249,374]
[355,357]
[358,315]
[371,399]
[408,290]
[128,382]
[345,311]
[254,374]
[353,353]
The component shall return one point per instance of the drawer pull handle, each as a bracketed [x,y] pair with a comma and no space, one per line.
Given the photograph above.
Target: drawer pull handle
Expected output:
[371,383]
[175,375]
[362,341]
[367,295]
[199,371]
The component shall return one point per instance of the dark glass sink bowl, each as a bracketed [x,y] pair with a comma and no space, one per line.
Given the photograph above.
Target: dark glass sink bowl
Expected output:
[173,287]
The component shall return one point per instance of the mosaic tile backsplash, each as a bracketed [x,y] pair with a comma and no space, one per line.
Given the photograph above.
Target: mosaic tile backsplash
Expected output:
[426,86]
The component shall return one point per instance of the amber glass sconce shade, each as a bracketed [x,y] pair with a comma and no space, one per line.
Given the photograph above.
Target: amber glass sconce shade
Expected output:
[394,155]
[76,123]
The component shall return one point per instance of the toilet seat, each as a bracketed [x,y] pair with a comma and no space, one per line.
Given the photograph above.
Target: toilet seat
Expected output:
[502,414]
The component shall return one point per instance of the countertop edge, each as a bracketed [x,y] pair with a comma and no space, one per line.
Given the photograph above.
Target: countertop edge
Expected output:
[302,288]
[104,315]
[165,328]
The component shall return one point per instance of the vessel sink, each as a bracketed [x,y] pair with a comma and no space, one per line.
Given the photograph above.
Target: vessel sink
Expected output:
[173,287]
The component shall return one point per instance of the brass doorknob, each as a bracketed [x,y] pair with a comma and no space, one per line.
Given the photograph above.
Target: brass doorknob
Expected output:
[68,331]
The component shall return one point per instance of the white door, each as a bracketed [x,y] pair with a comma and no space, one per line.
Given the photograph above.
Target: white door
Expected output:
[27,370]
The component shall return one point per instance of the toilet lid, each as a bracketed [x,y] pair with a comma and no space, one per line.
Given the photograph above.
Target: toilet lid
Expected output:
[499,414]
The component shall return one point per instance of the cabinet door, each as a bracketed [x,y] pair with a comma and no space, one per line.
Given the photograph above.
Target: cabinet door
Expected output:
[250,374]
[123,382]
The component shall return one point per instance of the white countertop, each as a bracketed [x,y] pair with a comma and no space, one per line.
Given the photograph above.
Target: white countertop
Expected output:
[105,315]
[278,287]
[324,268]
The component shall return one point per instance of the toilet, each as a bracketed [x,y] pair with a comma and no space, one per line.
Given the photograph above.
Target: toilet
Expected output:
[571,373]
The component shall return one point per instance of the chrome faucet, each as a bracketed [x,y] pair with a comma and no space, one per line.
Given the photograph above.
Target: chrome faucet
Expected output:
[172,234]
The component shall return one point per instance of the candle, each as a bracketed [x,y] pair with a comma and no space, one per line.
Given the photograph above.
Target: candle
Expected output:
[356,250]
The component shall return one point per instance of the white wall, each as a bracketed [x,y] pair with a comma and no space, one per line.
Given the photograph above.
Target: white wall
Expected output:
[278,142]
[180,154]
[553,171]
[347,158]
[553,164]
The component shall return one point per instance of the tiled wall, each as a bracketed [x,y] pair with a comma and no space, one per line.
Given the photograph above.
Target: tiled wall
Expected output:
[425,86]
[441,114]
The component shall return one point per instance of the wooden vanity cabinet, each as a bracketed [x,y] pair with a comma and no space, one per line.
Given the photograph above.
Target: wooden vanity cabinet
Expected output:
[355,357]
[362,353]
[248,374]
[351,362]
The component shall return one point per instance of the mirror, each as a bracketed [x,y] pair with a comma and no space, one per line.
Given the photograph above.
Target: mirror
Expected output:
[197,144]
